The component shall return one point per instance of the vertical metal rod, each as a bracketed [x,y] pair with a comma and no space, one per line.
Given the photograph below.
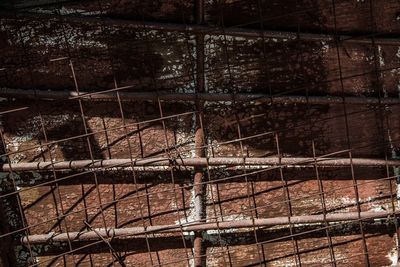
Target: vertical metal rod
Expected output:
[322,194]
[134,175]
[355,185]
[166,147]
[231,81]
[251,205]
[199,188]
[52,159]
[173,184]
[323,204]
[89,146]
[286,192]
[208,174]
[107,140]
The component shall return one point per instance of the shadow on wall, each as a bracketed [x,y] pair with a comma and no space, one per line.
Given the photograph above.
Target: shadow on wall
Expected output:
[26,129]
[28,47]
[248,13]
[147,59]
[273,67]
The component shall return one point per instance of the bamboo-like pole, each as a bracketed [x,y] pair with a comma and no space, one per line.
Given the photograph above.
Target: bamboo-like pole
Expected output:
[202,29]
[198,186]
[238,162]
[111,95]
[201,226]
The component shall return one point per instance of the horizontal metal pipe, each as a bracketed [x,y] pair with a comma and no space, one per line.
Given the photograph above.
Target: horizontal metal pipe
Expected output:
[201,226]
[167,96]
[196,162]
[202,29]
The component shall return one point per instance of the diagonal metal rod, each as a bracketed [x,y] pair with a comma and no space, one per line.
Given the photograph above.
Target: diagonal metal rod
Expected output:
[203,226]
[113,252]
[237,162]
[171,96]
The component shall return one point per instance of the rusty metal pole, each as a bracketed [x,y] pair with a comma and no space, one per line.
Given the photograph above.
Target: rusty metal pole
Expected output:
[203,29]
[197,163]
[246,224]
[199,187]
[111,95]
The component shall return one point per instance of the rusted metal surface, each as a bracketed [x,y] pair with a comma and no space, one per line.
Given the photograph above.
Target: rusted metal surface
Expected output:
[259,113]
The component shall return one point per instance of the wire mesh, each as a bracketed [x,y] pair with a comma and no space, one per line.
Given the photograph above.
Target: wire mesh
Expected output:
[193,133]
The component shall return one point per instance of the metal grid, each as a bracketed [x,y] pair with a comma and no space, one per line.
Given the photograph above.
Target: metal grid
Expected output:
[218,169]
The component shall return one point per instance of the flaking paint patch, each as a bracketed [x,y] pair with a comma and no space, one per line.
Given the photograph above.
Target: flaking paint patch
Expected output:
[393,256]
[380,55]
[32,34]
[191,217]
[345,204]
[67,11]
[325,46]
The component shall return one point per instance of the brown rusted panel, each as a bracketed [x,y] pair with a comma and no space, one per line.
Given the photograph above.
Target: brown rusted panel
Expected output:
[35,53]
